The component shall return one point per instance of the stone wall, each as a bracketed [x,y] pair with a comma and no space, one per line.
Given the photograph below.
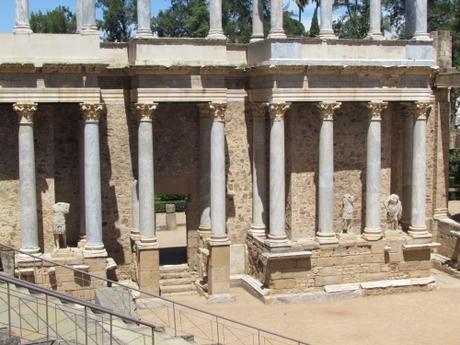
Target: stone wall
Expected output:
[450,244]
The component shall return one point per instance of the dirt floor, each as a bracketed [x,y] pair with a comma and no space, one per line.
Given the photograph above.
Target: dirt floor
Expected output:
[401,319]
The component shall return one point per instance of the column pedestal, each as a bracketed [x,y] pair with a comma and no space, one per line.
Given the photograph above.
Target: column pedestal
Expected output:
[148,267]
[218,267]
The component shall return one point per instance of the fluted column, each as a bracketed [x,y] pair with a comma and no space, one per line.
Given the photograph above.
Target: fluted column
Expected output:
[215,20]
[375,19]
[94,245]
[259,169]
[27,180]
[88,25]
[373,231]
[143,19]
[205,169]
[257,21]
[421,20]
[276,20]
[325,29]
[277,230]
[147,227]
[418,227]
[326,204]
[218,183]
[22,25]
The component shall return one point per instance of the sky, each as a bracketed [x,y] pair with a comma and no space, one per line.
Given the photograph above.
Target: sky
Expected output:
[7,10]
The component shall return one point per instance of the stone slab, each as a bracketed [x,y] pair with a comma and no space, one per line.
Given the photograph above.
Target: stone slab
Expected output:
[116,298]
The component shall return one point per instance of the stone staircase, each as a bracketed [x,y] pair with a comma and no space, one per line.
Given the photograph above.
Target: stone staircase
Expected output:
[36,318]
[177,280]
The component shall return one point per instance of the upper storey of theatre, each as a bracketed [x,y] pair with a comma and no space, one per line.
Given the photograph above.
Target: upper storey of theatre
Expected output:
[24,48]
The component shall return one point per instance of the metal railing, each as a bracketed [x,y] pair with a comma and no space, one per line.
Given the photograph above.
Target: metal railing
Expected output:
[175,318]
[37,313]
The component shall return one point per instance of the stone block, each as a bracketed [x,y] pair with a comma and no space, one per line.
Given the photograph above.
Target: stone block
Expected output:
[237,259]
[327,261]
[148,269]
[417,255]
[116,298]
[284,284]
[328,271]
[219,269]
[329,280]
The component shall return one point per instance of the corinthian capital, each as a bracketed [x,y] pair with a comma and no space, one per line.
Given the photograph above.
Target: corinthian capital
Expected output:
[278,110]
[259,109]
[218,111]
[327,109]
[146,110]
[421,110]
[92,111]
[376,109]
[25,111]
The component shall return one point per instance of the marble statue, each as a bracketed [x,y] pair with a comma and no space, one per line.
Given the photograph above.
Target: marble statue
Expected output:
[394,211]
[347,212]
[457,113]
[59,224]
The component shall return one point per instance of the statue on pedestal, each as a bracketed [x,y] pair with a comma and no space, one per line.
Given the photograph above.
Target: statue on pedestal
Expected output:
[347,213]
[393,207]
[59,224]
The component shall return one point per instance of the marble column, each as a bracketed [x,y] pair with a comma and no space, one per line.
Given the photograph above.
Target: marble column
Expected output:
[326,202]
[79,15]
[259,169]
[144,15]
[94,246]
[373,231]
[407,170]
[418,227]
[216,31]
[325,29]
[277,218]
[81,180]
[135,234]
[88,25]
[218,180]
[257,21]
[22,25]
[375,19]
[205,168]
[421,20]
[276,20]
[147,226]
[409,16]
[27,180]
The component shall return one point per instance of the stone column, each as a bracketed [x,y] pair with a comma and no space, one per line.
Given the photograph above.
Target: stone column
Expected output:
[325,29]
[257,21]
[135,234]
[146,174]
[418,227]
[89,26]
[375,18]
[143,19]
[28,187]
[421,20]
[373,231]
[407,170]
[277,197]
[79,15]
[216,31]
[326,204]
[22,25]
[205,168]
[81,181]
[218,183]
[259,169]
[276,20]
[94,246]
[409,26]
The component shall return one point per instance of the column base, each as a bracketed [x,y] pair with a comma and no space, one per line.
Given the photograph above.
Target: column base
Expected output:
[81,242]
[276,34]
[276,239]
[89,31]
[441,213]
[143,34]
[22,30]
[218,267]
[94,251]
[148,267]
[327,35]
[256,39]
[216,35]
[423,36]
[329,238]
[28,255]
[378,36]
[419,233]
[135,235]
[372,234]
[258,230]
[147,243]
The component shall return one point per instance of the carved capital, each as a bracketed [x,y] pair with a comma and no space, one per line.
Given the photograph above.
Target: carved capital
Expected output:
[421,110]
[25,111]
[203,109]
[92,112]
[145,111]
[217,111]
[376,109]
[278,110]
[259,109]
[327,109]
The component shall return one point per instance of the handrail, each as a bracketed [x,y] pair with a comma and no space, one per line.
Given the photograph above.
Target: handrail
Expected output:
[36,288]
[215,316]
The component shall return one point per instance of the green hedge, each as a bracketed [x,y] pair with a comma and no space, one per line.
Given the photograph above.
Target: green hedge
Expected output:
[160,206]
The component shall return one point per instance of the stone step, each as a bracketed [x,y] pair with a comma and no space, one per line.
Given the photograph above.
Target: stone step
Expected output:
[173,268]
[177,281]
[172,289]
[177,275]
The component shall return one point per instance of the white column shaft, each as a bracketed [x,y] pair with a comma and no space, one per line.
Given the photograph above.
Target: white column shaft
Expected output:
[143,19]
[375,18]
[89,16]
[326,30]
[22,17]
[259,174]
[373,176]
[205,183]
[28,189]
[421,20]
[146,182]
[218,184]
[409,18]
[79,15]
[135,207]
[257,20]
[419,175]
[276,20]
[215,20]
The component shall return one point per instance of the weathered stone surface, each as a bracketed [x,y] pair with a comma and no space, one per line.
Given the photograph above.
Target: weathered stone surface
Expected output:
[116,298]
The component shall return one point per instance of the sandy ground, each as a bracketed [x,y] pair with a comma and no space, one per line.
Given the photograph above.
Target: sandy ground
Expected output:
[171,238]
[454,209]
[417,318]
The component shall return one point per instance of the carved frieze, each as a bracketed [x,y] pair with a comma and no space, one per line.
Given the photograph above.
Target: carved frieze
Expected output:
[25,111]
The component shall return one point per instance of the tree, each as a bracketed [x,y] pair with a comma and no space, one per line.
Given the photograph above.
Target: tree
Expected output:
[60,21]
[314,27]
[119,18]
[301,5]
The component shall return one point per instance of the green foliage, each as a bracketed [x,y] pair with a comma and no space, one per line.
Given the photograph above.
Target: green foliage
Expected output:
[355,22]
[119,17]
[314,27]
[454,167]
[180,200]
[291,26]
[60,21]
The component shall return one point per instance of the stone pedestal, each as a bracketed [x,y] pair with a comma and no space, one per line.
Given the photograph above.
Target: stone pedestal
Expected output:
[148,267]
[219,267]
[171,219]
